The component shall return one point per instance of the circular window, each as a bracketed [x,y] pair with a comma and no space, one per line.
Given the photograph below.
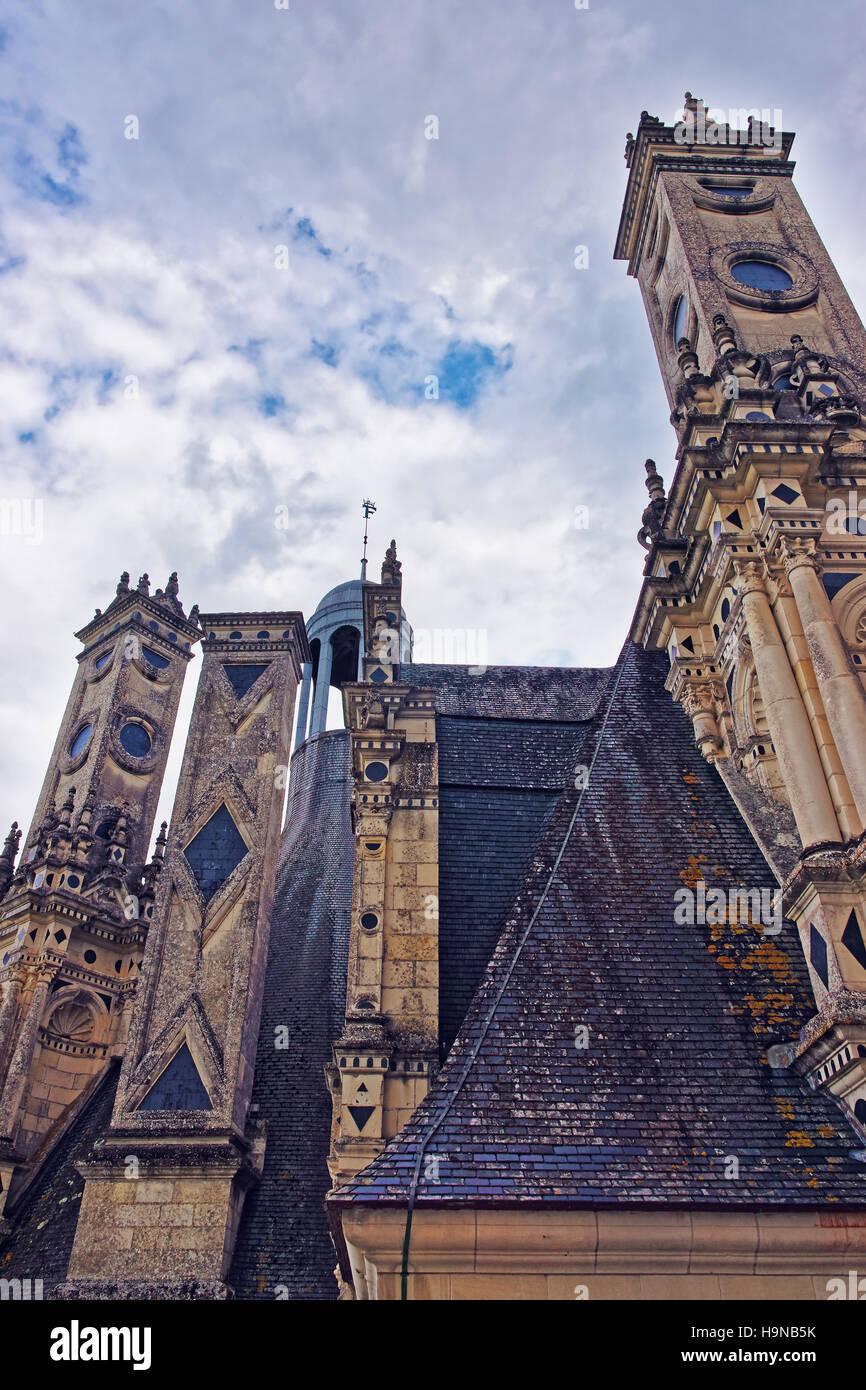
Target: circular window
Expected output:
[761,275]
[376,772]
[681,318]
[73,880]
[154,627]
[369,921]
[90,957]
[135,739]
[80,742]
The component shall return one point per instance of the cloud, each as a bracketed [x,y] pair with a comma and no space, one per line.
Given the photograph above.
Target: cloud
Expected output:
[165,388]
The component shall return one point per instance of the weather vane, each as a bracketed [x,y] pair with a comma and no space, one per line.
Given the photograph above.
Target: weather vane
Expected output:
[368,509]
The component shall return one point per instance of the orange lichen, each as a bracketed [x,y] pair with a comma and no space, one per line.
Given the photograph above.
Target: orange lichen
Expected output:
[798,1139]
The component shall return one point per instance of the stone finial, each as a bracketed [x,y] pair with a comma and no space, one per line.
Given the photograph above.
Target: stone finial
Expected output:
[123,586]
[144,584]
[171,588]
[152,870]
[7,857]
[723,335]
[193,615]
[653,514]
[65,817]
[391,566]
[118,834]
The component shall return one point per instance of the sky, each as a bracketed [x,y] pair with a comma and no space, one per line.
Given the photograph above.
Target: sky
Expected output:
[242,243]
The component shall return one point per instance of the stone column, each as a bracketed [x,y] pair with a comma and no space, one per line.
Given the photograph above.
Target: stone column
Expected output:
[700,703]
[22,1057]
[841,691]
[788,721]
[11,989]
[304,704]
[319,721]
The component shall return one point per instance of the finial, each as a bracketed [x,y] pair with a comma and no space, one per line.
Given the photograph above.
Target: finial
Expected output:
[7,857]
[66,809]
[171,588]
[123,586]
[118,834]
[368,508]
[193,615]
[144,584]
[653,515]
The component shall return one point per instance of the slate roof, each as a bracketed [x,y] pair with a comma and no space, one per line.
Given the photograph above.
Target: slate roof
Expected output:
[674,1078]
[512,692]
[283,1237]
[499,780]
[43,1222]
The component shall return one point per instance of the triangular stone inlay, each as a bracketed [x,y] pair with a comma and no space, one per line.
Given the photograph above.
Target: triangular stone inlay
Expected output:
[215,851]
[243,675]
[852,938]
[818,954]
[179,1087]
[361,1114]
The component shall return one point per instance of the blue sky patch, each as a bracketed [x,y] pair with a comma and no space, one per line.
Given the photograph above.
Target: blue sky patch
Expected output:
[35,181]
[466,369]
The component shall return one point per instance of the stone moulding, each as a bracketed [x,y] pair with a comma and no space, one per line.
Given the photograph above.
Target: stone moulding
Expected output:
[736,1249]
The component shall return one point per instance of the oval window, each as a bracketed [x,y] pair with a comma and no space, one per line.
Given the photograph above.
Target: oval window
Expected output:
[376,772]
[135,739]
[154,658]
[761,275]
[80,742]
[101,661]
[728,190]
[681,319]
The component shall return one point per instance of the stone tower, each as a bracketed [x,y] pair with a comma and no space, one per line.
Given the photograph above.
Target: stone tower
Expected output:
[388,1050]
[76,913]
[182,1108]
[755,580]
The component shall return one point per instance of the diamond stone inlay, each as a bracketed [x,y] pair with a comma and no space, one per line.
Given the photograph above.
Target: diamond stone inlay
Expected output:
[215,851]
